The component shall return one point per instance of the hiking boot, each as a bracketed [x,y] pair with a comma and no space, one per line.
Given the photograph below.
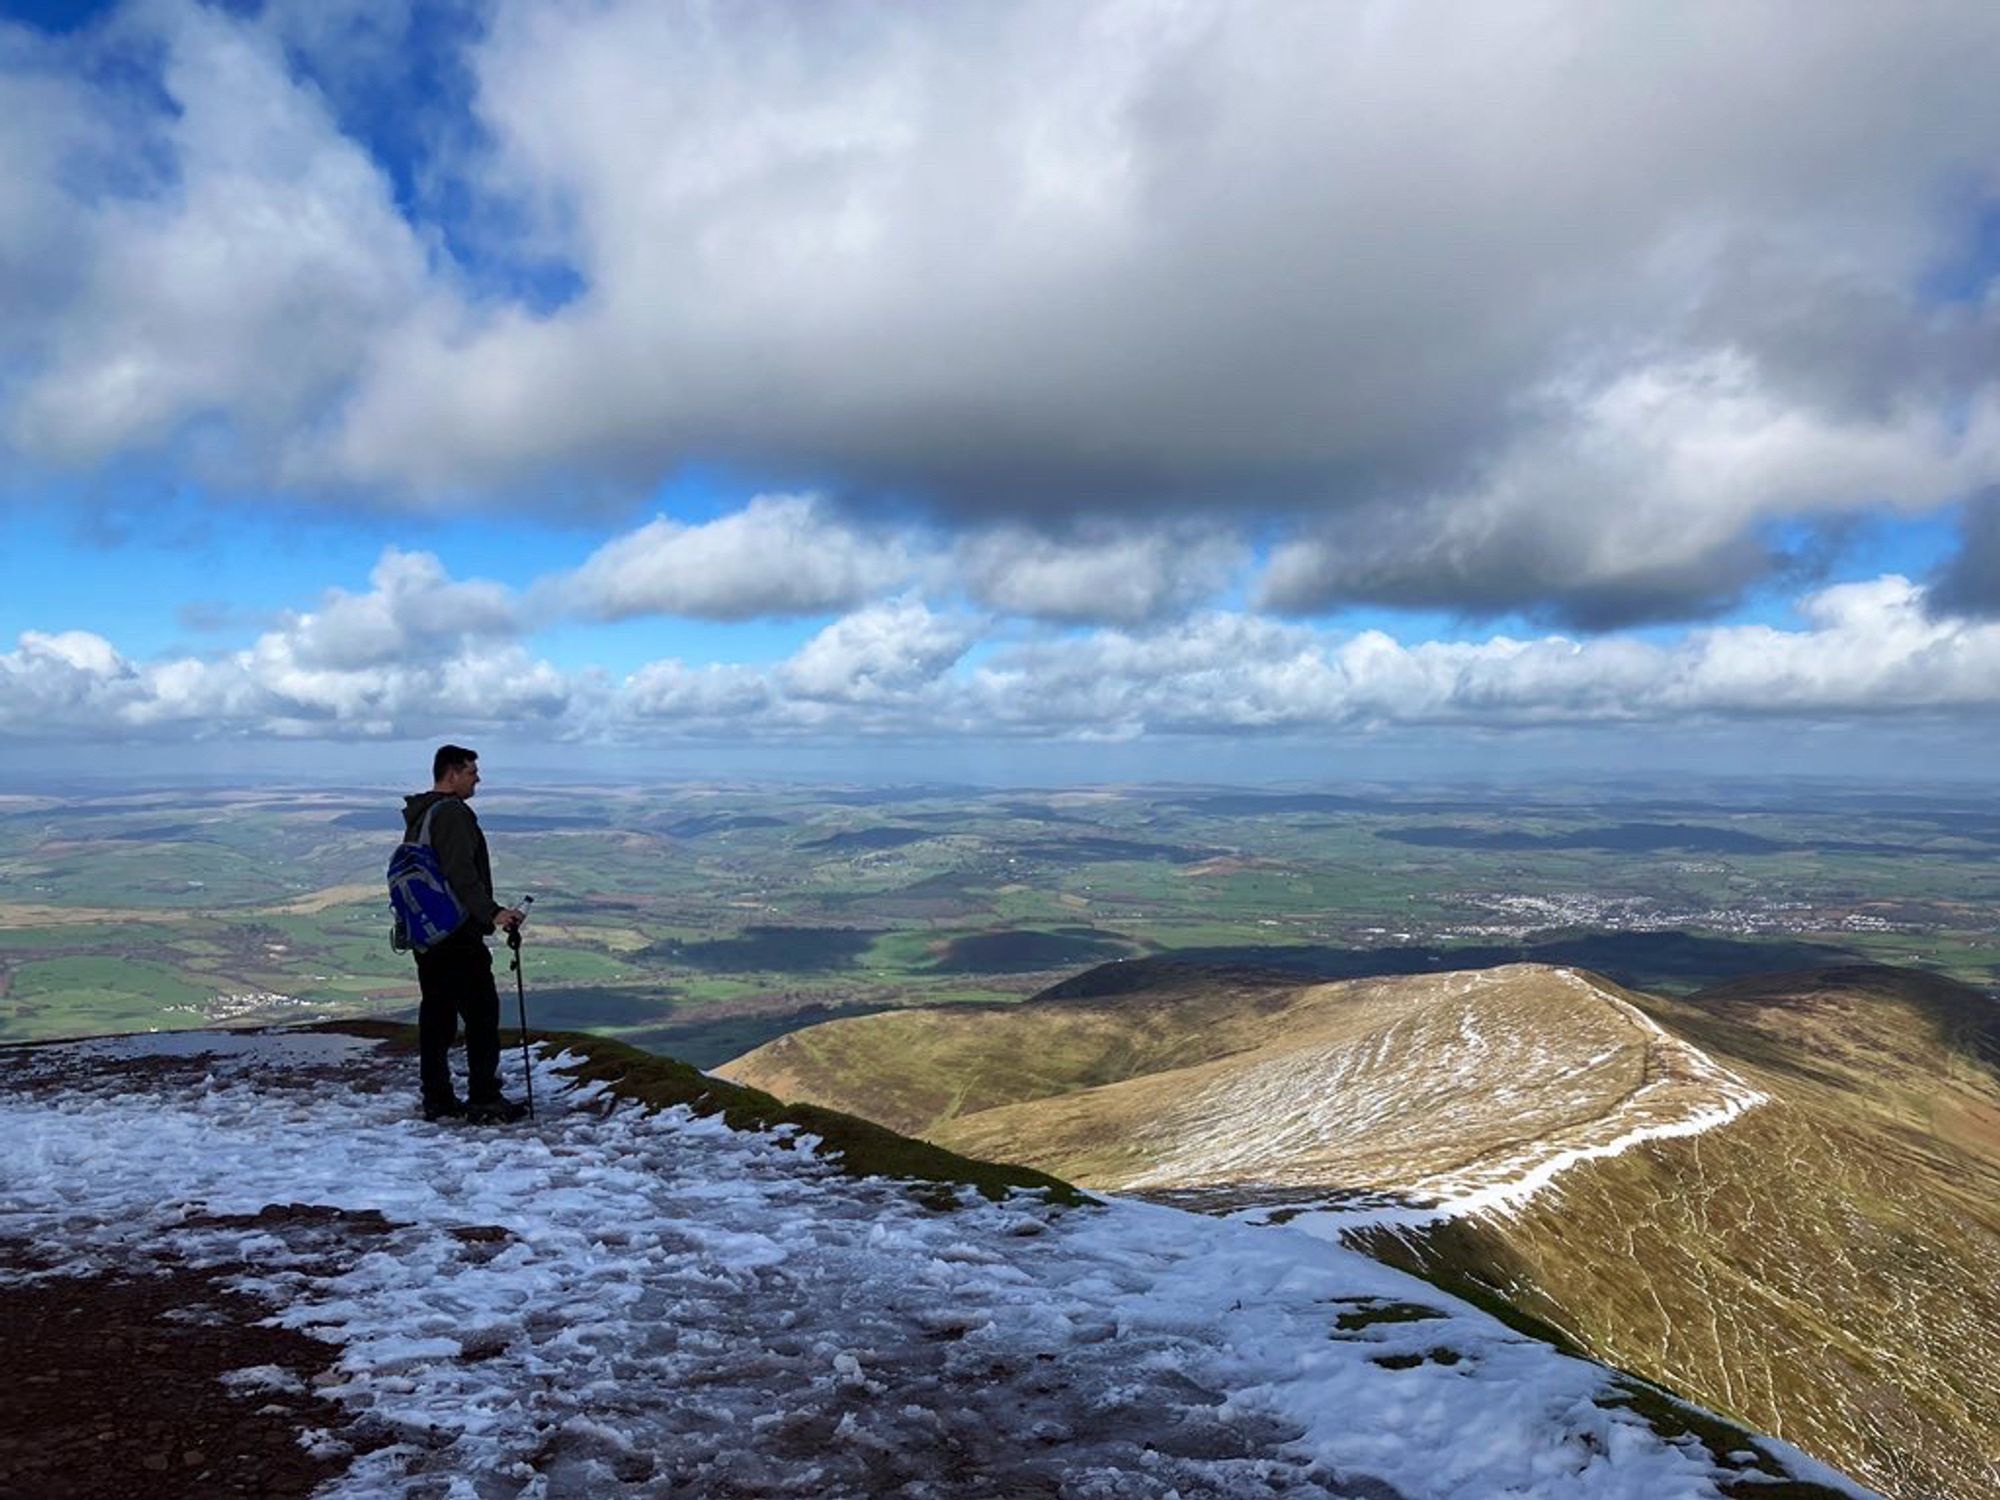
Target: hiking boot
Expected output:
[496,1111]
[443,1109]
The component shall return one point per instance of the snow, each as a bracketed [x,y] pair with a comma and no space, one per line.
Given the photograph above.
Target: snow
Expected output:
[1328,1096]
[612,1302]
[285,1047]
[1722,1096]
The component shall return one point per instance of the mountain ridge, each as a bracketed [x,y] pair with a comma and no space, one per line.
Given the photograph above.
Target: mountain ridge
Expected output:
[1776,1195]
[1143,1057]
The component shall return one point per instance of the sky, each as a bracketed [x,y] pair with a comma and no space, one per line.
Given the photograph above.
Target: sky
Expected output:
[1050,390]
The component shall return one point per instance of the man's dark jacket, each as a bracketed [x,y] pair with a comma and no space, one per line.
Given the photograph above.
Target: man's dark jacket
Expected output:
[461,850]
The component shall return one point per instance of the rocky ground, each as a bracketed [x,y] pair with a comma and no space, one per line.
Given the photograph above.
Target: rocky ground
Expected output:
[116,1384]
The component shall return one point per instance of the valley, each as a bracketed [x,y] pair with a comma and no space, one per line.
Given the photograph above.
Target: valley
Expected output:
[703,918]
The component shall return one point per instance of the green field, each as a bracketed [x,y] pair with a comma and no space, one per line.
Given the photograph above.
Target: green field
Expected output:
[708,914]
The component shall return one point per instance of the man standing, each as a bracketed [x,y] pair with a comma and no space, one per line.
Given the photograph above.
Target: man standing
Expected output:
[455,974]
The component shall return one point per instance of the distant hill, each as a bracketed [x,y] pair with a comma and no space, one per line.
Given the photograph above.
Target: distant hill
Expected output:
[1642,959]
[1777,1195]
[700,827]
[1630,838]
[869,840]
[389,819]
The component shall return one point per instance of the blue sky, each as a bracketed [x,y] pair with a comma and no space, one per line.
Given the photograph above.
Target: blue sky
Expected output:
[189,574]
[796,386]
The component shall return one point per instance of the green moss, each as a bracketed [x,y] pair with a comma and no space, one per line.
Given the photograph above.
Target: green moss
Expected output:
[860,1148]
[1674,1419]
[1451,1261]
[1372,1313]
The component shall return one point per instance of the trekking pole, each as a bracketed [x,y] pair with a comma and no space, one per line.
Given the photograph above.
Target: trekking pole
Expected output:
[521,994]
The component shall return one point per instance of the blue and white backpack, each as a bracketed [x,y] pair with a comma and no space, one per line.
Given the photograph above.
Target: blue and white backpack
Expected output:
[427,911]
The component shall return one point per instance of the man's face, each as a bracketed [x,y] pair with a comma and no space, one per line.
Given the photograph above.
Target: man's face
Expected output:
[462,781]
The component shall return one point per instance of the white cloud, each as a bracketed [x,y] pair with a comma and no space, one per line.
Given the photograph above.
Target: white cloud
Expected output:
[1870,649]
[1098,572]
[1350,276]
[280,694]
[52,132]
[419,654]
[779,555]
[245,289]
[711,697]
[1865,650]
[52,685]
[267,690]
[786,555]
[1313,256]
[884,652]
[1638,499]
[416,611]
[420,648]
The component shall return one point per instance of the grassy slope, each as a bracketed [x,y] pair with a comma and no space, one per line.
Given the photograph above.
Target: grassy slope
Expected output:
[1191,1081]
[1826,1267]
[916,1070]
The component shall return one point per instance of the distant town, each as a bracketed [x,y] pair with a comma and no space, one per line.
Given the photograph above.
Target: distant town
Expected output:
[723,915]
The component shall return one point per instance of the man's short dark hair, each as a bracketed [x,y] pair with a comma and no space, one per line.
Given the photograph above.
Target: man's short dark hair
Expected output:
[450,758]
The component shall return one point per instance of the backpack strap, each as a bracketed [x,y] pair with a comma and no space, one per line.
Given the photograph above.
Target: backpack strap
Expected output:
[424,828]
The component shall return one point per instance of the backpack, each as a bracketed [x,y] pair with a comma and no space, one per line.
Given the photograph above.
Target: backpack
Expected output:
[427,911]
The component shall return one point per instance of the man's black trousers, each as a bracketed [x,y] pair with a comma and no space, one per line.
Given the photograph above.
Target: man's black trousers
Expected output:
[456,978]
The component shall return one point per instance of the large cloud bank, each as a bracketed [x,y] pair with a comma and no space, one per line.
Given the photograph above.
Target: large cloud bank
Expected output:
[382,665]
[1593,313]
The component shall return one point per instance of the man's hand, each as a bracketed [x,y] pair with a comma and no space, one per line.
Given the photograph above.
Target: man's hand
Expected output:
[509,918]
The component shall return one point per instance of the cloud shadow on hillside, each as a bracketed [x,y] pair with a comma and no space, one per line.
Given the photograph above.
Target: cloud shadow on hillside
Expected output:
[1675,961]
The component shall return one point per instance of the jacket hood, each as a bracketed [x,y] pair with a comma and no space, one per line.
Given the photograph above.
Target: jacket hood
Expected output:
[417,804]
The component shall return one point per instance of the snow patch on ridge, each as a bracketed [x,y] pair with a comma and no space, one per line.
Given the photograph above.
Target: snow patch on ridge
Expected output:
[1351,1098]
[1507,1185]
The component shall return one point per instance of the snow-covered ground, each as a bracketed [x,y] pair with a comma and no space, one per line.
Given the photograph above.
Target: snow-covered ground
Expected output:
[613,1302]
